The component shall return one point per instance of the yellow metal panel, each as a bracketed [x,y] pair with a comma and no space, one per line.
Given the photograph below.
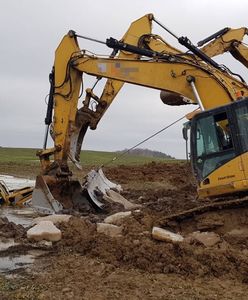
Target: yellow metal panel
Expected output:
[135,31]
[167,76]
[226,179]
[67,87]
[244,159]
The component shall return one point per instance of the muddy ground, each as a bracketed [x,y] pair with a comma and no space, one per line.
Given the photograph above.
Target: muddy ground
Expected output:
[89,265]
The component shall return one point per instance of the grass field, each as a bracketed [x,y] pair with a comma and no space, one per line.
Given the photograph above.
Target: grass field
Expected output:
[28,156]
[24,162]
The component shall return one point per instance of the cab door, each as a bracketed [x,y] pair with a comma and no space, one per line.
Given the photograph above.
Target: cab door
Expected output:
[241,115]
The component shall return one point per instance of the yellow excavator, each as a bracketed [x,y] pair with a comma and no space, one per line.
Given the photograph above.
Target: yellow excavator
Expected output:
[218,129]
[227,40]
[18,196]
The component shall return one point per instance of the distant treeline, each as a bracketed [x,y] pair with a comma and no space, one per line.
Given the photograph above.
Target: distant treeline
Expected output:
[147,153]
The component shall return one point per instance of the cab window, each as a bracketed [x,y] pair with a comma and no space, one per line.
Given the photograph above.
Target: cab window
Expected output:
[214,143]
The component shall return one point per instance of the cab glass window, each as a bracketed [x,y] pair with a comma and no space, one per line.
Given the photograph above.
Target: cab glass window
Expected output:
[214,144]
[242,120]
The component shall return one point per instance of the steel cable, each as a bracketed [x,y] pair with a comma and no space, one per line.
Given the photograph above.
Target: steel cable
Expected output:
[140,143]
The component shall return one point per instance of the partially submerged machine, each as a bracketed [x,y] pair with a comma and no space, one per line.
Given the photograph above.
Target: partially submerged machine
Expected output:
[218,130]
[18,196]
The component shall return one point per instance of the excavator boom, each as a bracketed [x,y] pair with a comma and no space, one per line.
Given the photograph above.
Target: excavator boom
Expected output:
[227,40]
[189,78]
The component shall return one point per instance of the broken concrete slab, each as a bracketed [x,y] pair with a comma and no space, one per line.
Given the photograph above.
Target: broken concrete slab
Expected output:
[44,230]
[113,196]
[55,219]
[166,235]
[208,239]
[109,229]
[117,218]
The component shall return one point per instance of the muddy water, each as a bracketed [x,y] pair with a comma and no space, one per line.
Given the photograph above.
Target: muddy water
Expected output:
[11,263]
[23,216]
[15,182]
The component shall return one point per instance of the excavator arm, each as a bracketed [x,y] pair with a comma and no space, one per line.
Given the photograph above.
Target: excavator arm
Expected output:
[227,40]
[192,80]
[177,75]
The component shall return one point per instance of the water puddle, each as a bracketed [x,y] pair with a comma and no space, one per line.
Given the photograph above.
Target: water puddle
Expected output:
[5,244]
[15,262]
[23,216]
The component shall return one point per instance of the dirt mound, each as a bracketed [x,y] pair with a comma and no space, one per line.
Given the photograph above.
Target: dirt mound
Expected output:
[89,265]
[162,189]
[136,249]
[10,229]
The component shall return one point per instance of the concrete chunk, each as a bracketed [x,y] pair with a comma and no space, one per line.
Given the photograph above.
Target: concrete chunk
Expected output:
[117,218]
[44,230]
[109,229]
[166,235]
[113,196]
[55,219]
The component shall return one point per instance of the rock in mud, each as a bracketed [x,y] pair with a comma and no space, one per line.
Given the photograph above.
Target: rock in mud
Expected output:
[208,239]
[55,219]
[109,229]
[117,217]
[45,230]
[113,196]
[166,235]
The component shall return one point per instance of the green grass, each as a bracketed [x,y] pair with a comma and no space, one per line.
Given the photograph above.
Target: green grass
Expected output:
[28,156]
[18,155]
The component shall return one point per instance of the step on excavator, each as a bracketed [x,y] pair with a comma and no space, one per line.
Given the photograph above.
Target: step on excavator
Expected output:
[218,128]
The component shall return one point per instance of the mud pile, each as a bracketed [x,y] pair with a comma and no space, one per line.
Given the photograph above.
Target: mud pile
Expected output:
[163,189]
[137,249]
[88,265]
[10,229]
[166,188]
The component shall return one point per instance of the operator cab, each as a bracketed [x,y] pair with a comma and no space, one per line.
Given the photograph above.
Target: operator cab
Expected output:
[218,136]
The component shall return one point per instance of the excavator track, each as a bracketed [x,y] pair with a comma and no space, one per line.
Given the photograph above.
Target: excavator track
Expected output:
[215,206]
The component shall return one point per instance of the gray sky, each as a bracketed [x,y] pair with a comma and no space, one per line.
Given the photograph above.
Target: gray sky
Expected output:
[31,31]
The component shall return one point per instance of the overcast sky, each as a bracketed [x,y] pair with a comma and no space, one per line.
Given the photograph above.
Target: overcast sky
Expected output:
[31,31]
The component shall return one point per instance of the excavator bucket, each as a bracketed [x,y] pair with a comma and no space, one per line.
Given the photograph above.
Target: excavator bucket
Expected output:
[51,196]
